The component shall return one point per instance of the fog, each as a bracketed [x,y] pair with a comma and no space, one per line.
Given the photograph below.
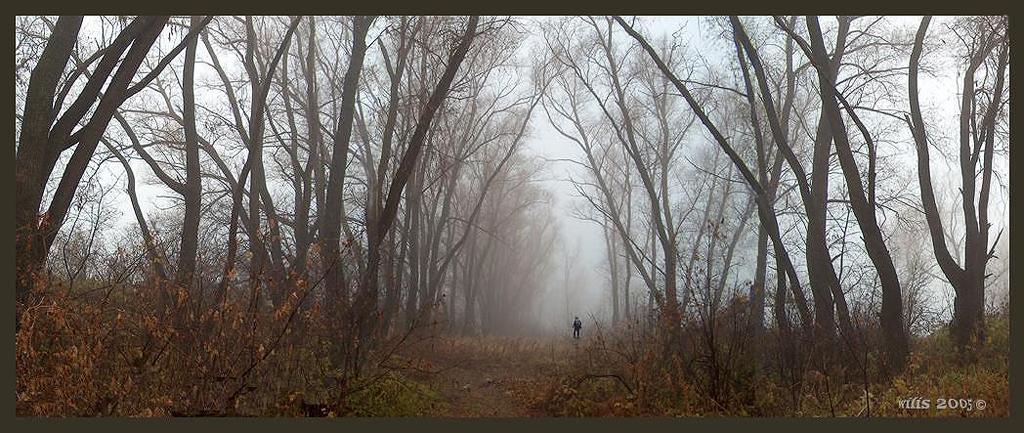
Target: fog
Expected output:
[576,283]
[590,285]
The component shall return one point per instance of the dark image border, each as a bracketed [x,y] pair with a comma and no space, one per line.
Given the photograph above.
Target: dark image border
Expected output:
[461,7]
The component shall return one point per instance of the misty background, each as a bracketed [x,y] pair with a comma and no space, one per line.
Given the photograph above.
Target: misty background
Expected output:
[575,282]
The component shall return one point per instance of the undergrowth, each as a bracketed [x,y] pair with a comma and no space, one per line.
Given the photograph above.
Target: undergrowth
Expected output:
[611,380]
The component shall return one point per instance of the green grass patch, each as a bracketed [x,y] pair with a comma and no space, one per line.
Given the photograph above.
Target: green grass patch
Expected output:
[393,395]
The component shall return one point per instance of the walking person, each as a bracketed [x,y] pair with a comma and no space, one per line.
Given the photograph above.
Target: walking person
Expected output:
[576,326]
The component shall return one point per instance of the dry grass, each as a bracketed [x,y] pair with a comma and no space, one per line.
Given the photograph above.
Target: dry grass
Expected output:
[608,380]
[110,356]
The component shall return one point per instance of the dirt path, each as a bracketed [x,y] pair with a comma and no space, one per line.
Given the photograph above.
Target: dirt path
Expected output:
[488,391]
[493,378]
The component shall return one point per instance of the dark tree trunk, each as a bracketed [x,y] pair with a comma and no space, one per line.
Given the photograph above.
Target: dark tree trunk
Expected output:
[34,150]
[896,343]
[331,214]
[365,307]
[40,147]
[193,180]
[968,281]
[765,210]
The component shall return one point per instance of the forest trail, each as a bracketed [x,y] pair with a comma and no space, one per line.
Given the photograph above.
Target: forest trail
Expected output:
[494,376]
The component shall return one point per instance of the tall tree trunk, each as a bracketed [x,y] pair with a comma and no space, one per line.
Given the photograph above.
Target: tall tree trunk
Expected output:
[765,210]
[193,178]
[331,214]
[366,300]
[968,281]
[825,286]
[896,342]
[611,251]
[34,150]
[412,200]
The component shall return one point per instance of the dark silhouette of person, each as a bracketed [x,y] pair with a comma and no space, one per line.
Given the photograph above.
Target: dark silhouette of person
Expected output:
[576,326]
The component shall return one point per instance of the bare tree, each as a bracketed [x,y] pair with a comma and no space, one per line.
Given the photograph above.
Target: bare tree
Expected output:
[331,214]
[48,136]
[987,44]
